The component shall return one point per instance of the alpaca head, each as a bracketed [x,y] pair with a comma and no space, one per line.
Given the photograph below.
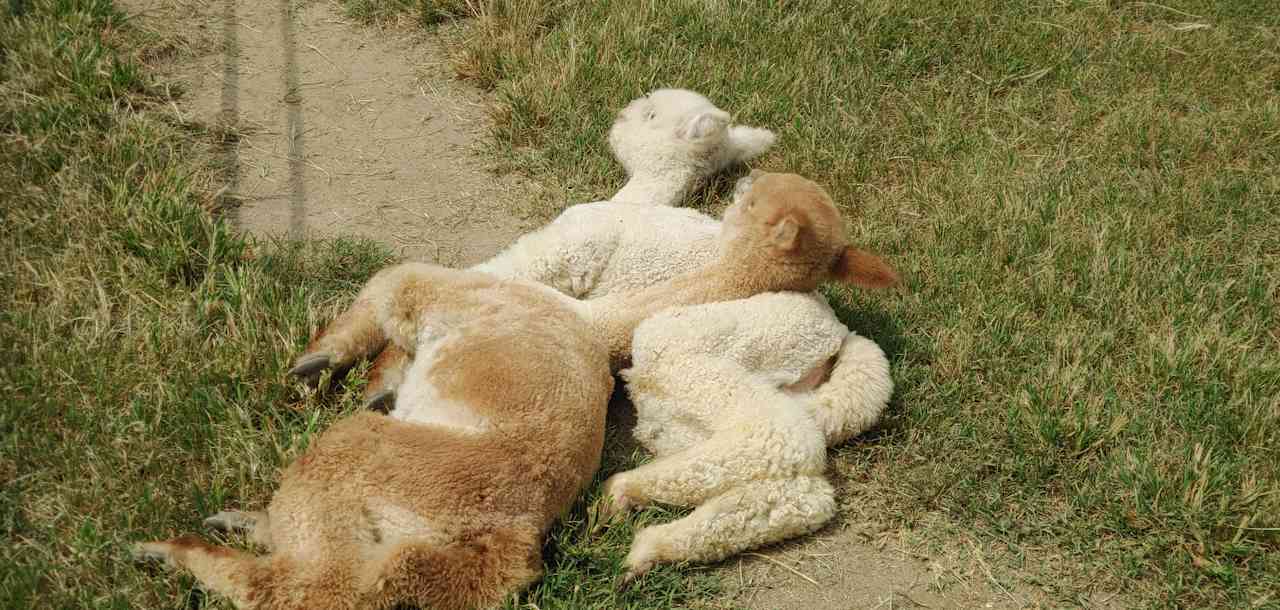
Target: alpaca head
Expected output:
[793,223]
[676,130]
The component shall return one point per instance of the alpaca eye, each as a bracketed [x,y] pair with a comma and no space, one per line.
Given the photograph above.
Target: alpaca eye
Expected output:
[650,115]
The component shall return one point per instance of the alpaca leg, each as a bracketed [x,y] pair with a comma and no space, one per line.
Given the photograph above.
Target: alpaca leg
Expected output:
[220,569]
[476,569]
[254,523]
[683,479]
[386,309]
[385,377]
[355,333]
[753,515]
[727,460]
[855,393]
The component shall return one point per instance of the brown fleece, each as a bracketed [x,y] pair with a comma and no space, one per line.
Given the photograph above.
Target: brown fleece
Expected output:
[387,370]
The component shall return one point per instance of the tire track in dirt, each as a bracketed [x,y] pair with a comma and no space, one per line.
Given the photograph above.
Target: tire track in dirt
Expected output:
[343,130]
[294,132]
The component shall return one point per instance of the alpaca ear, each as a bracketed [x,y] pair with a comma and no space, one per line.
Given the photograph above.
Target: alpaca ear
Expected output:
[703,125]
[746,143]
[784,235]
[863,269]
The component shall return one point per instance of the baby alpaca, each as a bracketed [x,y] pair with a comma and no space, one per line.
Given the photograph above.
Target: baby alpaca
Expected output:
[669,142]
[445,502]
[717,405]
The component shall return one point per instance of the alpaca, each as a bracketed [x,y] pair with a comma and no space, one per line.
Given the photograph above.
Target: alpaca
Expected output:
[790,346]
[669,142]
[499,424]
[732,430]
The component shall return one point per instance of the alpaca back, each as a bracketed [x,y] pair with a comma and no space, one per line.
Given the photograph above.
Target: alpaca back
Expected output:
[780,336]
[593,249]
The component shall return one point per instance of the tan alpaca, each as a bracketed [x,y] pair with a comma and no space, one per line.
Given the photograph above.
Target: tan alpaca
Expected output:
[750,455]
[497,427]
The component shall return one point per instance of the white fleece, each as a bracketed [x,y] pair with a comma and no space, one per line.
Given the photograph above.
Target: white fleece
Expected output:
[777,339]
[597,248]
[593,249]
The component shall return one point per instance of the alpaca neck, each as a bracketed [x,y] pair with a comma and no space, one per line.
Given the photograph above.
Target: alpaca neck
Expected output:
[615,316]
[666,188]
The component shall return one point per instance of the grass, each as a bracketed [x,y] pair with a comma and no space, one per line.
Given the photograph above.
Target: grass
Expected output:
[145,341]
[1084,198]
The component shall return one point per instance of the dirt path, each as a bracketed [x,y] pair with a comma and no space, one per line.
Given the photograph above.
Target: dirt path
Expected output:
[346,130]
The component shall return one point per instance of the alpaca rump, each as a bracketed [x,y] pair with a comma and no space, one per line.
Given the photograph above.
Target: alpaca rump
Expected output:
[496,427]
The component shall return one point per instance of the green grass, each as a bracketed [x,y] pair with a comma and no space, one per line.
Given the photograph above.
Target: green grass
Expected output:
[143,340]
[1084,197]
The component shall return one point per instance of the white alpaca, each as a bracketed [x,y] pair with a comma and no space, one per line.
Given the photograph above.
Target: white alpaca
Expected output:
[669,142]
[738,416]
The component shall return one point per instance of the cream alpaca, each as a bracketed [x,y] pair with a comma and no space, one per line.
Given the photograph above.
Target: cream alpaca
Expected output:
[668,142]
[707,382]
[445,503]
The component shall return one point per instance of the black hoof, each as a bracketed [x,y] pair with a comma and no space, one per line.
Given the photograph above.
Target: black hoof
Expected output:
[310,366]
[381,402]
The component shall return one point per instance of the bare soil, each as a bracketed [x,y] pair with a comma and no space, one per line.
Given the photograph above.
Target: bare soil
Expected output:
[342,129]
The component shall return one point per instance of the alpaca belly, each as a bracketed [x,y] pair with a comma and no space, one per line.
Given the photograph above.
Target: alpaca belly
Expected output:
[667,437]
[663,427]
[419,401]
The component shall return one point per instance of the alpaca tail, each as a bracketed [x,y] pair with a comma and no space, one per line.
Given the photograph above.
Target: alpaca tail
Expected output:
[851,401]
[476,570]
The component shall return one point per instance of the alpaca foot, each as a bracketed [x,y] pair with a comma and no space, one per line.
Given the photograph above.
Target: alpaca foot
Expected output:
[646,552]
[630,577]
[382,401]
[615,503]
[230,521]
[309,366]
[149,552]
